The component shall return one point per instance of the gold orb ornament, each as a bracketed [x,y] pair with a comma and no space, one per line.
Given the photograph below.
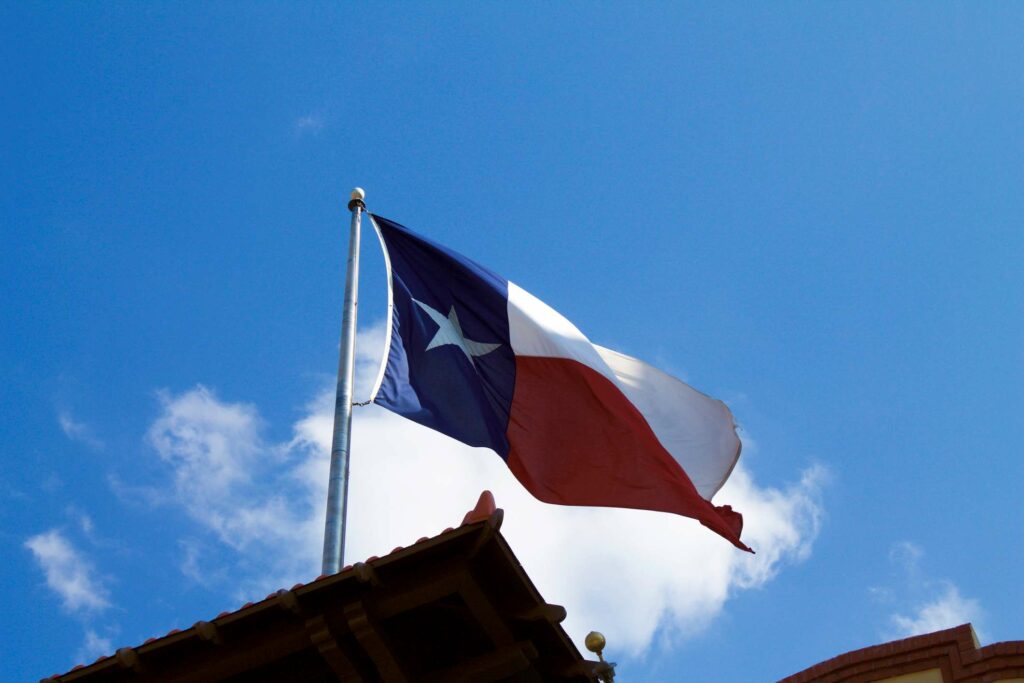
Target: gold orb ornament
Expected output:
[605,670]
[595,642]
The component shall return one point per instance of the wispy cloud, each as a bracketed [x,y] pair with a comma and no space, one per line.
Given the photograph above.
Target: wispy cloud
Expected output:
[213,447]
[78,431]
[266,501]
[68,573]
[251,494]
[907,556]
[946,610]
[140,495]
[83,521]
[193,567]
[922,604]
[309,124]
[93,646]
[9,493]
[72,577]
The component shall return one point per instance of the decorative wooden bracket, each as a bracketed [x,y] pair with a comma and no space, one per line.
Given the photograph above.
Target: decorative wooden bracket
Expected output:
[208,632]
[129,659]
[327,645]
[373,642]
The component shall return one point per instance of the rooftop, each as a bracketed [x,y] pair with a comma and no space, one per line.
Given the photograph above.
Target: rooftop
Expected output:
[453,607]
[953,654]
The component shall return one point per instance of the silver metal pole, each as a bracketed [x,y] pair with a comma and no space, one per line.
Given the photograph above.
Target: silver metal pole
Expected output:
[337,485]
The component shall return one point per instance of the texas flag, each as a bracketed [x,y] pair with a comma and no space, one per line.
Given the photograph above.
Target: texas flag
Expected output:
[480,359]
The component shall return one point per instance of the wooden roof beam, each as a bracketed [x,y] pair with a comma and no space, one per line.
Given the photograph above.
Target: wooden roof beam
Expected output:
[493,666]
[374,643]
[327,645]
[483,611]
[439,583]
[552,614]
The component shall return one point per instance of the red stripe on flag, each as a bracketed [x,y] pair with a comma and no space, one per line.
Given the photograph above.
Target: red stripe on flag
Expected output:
[575,439]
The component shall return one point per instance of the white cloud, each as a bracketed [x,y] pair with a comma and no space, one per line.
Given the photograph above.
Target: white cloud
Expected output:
[85,521]
[94,646]
[251,494]
[946,610]
[625,572]
[211,445]
[78,431]
[923,604]
[310,124]
[190,562]
[138,495]
[196,565]
[907,555]
[68,573]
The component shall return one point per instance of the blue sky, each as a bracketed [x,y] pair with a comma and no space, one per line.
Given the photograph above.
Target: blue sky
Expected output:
[813,212]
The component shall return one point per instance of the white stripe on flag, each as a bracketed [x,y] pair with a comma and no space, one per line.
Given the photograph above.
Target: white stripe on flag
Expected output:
[536,329]
[696,429]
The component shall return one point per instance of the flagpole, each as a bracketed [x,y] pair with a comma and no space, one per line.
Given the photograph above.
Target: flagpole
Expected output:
[337,484]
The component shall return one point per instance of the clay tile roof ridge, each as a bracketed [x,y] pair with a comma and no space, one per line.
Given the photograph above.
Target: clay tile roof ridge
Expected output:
[484,508]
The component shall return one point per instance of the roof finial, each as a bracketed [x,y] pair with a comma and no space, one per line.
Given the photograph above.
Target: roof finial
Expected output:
[485,507]
[595,642]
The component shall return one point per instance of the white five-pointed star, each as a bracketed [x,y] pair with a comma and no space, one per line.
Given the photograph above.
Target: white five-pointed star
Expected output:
[449,331]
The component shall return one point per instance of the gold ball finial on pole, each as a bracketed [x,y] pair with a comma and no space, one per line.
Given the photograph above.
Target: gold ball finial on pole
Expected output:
[605,671]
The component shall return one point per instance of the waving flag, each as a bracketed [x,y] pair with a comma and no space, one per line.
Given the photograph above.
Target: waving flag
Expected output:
[478,358]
